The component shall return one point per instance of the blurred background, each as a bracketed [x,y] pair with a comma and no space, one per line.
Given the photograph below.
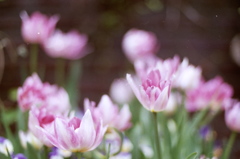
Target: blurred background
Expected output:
[201,30]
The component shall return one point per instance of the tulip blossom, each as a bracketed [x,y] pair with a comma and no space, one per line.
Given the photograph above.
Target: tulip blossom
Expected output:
[109,113]
[120,91]
[153,93]
[38,27]
[232,117]
[187,76]
[5,146]
[167,67]
[18,156]
[29,138]
[35,93]
[117,143]
[59,154]
[214,93]
[41,117]
[73,134]
[139,44]
[71,45]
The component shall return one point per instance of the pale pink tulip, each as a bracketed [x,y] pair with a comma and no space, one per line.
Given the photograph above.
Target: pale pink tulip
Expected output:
[153,93]
[213,93]
[167,67]
[71,45]
[41,117]
[120,91]
[73,134]
[187,76]
[138,44]
[109,113]
[38,27]
[232,117]
[35,93]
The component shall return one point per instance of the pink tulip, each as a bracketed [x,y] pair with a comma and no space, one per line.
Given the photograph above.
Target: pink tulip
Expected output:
[214,94]
[153,93]
[232,117]
[38,27]
[109,113]
[167,67]
[138,44]
[35,93]
[73,134]
[71,45]
[41,117]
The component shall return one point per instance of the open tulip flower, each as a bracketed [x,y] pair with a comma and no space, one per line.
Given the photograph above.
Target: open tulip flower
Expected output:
[110,113]
[167,67]
[74,134]
[35,93]
[153,93]
[213,93]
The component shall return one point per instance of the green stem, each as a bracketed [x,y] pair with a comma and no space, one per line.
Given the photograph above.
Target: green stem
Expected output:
[60,71]
[157,142]
[229,145]
[79,155]
[108,151]
[33,58]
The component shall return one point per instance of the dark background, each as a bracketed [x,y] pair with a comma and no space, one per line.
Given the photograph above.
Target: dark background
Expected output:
[200,30]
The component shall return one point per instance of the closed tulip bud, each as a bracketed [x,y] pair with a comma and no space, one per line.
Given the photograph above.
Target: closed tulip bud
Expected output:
[38,27]
[139,44]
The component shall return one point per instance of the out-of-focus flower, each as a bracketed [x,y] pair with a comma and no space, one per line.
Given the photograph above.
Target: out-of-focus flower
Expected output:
[167,67]
[206,133]
[57,153]
[109,113]
[38,27]
[18,156]
[41,117]
[235,49]
[122,155]
[139,44]
[187,76]
[73,134]
[212,93]
[71,45]
[29,138]
[35,93]
[232,117]
[5,146]
[204,157]
[114,139]
[173,102]
[153,93]
[146,148]
[120,91]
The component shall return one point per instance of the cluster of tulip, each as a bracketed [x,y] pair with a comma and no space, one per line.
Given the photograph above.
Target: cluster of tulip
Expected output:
[174,120]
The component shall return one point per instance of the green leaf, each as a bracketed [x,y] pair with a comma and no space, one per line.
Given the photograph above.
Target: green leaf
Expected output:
[72,81]
[192,155]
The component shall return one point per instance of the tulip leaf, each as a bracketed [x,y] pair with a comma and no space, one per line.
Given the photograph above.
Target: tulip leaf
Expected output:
[192,155]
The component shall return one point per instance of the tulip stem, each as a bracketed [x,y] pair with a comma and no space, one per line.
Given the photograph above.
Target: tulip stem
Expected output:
[229,145]
[79,155]
[157,140]
[33,58]
[60,71]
